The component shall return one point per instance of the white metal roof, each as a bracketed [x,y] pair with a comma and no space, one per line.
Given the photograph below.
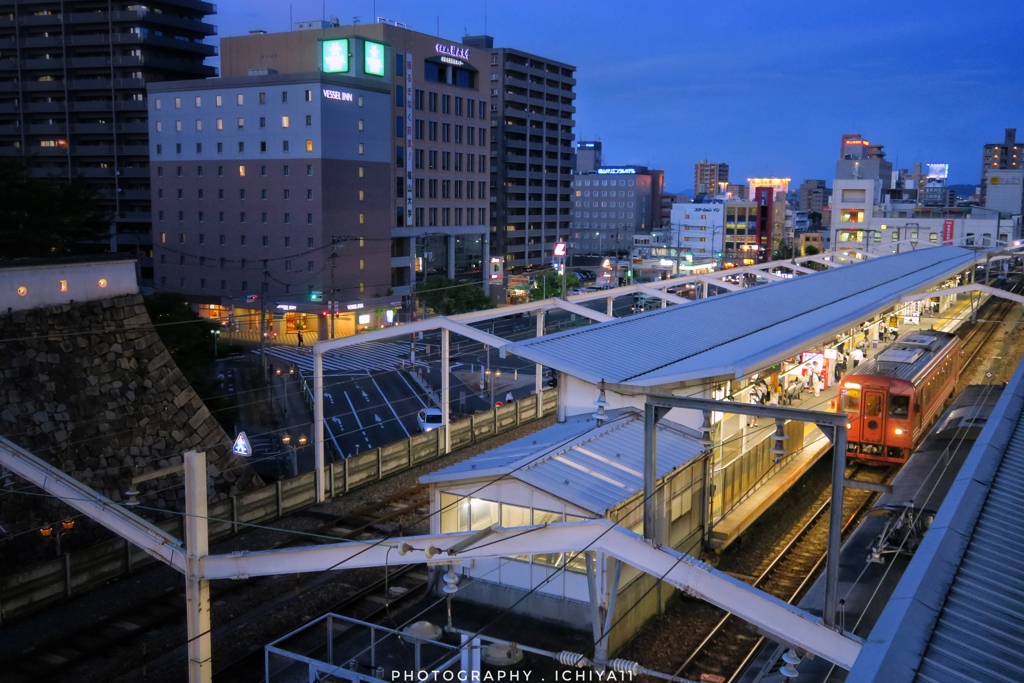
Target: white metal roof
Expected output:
[956,613]
[595,468]
[738,332]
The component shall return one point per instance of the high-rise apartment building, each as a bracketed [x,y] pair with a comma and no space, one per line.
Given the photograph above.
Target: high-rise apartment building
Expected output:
[812,196]
[532,117]
[1000,156]
[860,160]
[710,178]
[73,81]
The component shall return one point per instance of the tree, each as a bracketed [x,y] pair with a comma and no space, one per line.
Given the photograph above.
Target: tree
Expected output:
[810,250]
[550,284]
[448,297]
[47,216]
[187,338]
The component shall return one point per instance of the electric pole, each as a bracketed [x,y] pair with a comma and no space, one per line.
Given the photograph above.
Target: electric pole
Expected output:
[263,320]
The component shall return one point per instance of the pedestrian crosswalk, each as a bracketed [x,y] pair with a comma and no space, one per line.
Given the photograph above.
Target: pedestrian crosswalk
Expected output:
[369,356]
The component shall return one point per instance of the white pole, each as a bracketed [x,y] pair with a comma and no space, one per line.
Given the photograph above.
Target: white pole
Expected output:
[197,592]
[318,422]
[446,387]
[538,379]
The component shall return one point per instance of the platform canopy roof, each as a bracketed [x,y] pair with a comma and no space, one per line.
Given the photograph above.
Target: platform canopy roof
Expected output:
[591,467]
[956,613]
[735,334]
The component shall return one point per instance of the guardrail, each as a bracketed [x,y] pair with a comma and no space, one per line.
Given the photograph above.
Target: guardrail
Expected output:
[72,573]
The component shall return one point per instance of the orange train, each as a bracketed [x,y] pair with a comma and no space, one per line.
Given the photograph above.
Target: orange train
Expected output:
[893,398]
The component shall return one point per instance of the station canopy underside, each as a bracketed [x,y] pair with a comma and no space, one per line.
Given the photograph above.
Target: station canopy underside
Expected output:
[735,334]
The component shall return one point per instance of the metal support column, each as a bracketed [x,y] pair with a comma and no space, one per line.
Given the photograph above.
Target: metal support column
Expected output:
[650,469]
[835,524]
[539,370]
[318,423]
[197,592]
[609,306]
[446,388]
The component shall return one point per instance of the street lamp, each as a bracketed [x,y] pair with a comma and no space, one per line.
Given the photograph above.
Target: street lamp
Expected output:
[57,532]
[492,379]
[216,336]
[294,449]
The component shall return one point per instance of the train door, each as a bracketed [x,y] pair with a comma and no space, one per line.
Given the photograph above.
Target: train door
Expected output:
[873,426]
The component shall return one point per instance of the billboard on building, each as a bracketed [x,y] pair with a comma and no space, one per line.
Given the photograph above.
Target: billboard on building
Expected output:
[334,56]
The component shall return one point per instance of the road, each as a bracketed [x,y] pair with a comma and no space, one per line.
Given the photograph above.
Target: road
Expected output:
[371,401]
[365,410]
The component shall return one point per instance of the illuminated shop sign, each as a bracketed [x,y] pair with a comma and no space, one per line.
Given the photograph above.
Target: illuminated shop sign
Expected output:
[337,95]
[615,171]
[452,61]
[373,58]
[334,56]
[354,307]
[453,51]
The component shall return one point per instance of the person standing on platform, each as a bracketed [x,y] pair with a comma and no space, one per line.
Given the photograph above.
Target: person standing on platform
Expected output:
[857,355]
[300,338]
[837,372]
[817,381]
[508,397]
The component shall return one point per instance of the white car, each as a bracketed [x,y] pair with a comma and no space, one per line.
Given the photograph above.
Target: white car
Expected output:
[428,419]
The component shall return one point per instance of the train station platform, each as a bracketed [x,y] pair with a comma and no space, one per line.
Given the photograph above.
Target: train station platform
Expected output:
[738,519]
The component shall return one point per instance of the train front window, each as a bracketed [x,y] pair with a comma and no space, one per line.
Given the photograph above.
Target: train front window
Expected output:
[873,405]
[899,406]
[850,400]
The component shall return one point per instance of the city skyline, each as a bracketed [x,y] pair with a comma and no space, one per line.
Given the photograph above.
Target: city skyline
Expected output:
[664,87]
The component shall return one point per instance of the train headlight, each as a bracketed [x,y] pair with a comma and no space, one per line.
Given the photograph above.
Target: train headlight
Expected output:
[899,432]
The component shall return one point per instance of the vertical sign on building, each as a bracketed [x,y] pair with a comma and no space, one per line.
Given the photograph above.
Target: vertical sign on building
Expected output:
[765,199]
[947,231]
[408,139]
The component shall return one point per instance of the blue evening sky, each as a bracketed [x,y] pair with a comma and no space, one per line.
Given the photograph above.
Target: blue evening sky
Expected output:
[767,87]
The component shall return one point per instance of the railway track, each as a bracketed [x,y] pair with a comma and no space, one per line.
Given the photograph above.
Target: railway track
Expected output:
[402,585]
[731,644]
[107,637]
[994,311]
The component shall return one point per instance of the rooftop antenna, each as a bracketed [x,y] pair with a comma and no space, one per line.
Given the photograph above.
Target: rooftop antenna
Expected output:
[355,21]
[485,17]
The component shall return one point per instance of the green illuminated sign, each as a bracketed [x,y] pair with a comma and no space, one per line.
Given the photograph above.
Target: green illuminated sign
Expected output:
[373,58]
[335,56]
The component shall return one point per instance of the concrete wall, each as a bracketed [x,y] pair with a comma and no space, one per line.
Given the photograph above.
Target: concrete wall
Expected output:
[61,282]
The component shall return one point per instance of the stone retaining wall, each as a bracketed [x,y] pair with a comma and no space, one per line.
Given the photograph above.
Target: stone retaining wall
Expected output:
[91,388]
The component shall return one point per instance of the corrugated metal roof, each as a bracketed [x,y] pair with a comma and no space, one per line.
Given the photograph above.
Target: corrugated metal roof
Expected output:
[905,358]
[956,613]
[730,334]
[595,468]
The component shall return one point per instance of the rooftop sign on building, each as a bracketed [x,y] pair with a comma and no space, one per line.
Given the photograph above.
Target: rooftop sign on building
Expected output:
[334,56]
